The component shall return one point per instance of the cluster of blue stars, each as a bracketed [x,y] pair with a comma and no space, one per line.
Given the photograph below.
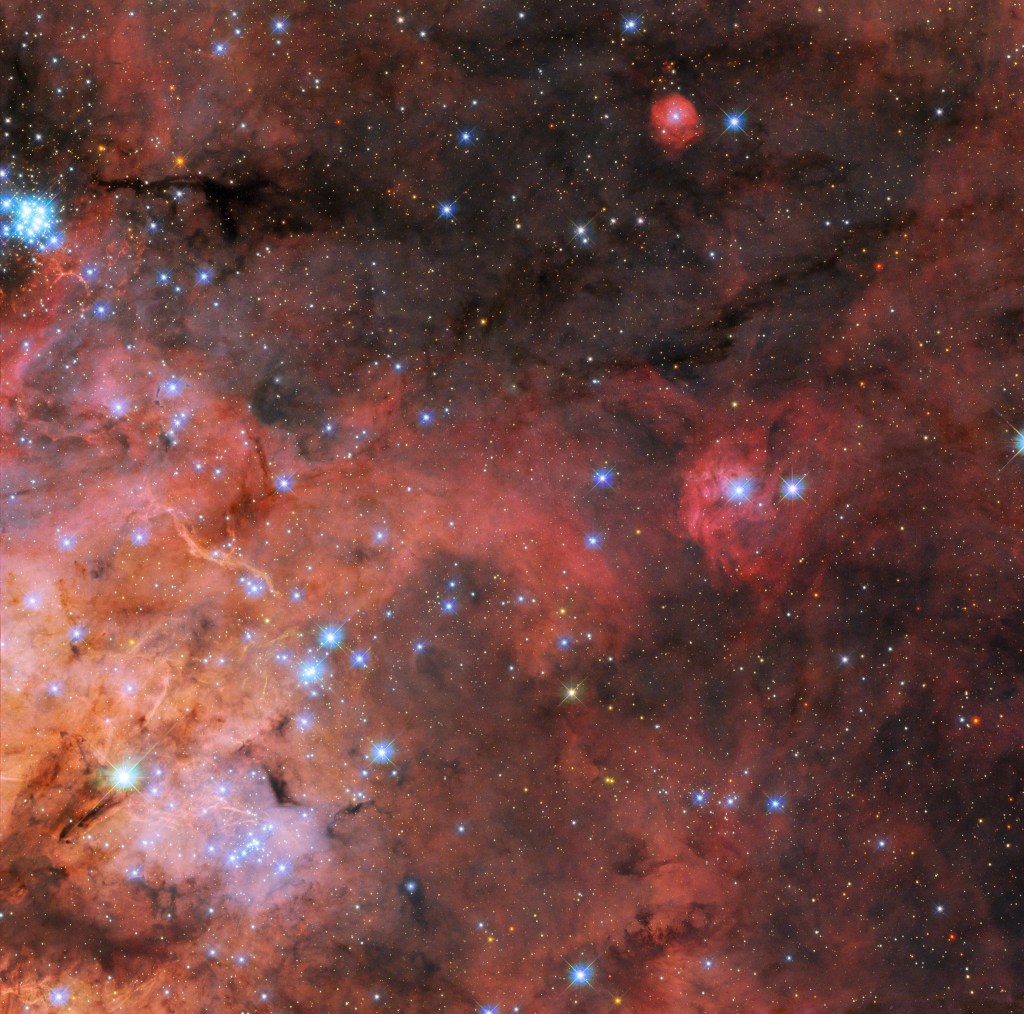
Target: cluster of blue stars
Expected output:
[253,587]
[311,671]
[703,797]
[30,221]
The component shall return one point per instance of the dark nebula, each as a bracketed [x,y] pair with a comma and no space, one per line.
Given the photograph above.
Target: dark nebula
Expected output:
[476,543]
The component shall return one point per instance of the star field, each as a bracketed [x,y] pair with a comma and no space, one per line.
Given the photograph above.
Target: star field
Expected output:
[511,508]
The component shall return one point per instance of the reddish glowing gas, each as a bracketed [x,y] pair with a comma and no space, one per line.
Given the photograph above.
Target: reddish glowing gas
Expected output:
[675,122]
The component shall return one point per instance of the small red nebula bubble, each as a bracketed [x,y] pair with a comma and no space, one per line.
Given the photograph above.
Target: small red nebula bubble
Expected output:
[675,122]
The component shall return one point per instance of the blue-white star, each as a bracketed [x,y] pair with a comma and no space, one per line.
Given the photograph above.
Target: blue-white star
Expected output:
[581,975]
[382,752]
[793,488]
[331,637]
[738,490]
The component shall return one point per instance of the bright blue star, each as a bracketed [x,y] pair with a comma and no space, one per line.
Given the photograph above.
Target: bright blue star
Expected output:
[331,637]
[101,310]
[284,483]
[446,210]
[467,137]
[733,121]
[204,276]
[359,659]
[604,478]
[776,804]
[279,26]
[449,606]
[125,776]
[631,24]
[581,975]
[220,48]
[699,798]
[738,490]
[60,996]
[793,488]
[383,752]
[594,540]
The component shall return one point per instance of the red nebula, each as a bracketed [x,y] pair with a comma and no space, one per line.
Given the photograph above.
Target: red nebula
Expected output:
[675,122]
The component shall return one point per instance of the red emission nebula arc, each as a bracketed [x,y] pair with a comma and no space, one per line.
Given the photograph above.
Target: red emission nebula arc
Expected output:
[511,509]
